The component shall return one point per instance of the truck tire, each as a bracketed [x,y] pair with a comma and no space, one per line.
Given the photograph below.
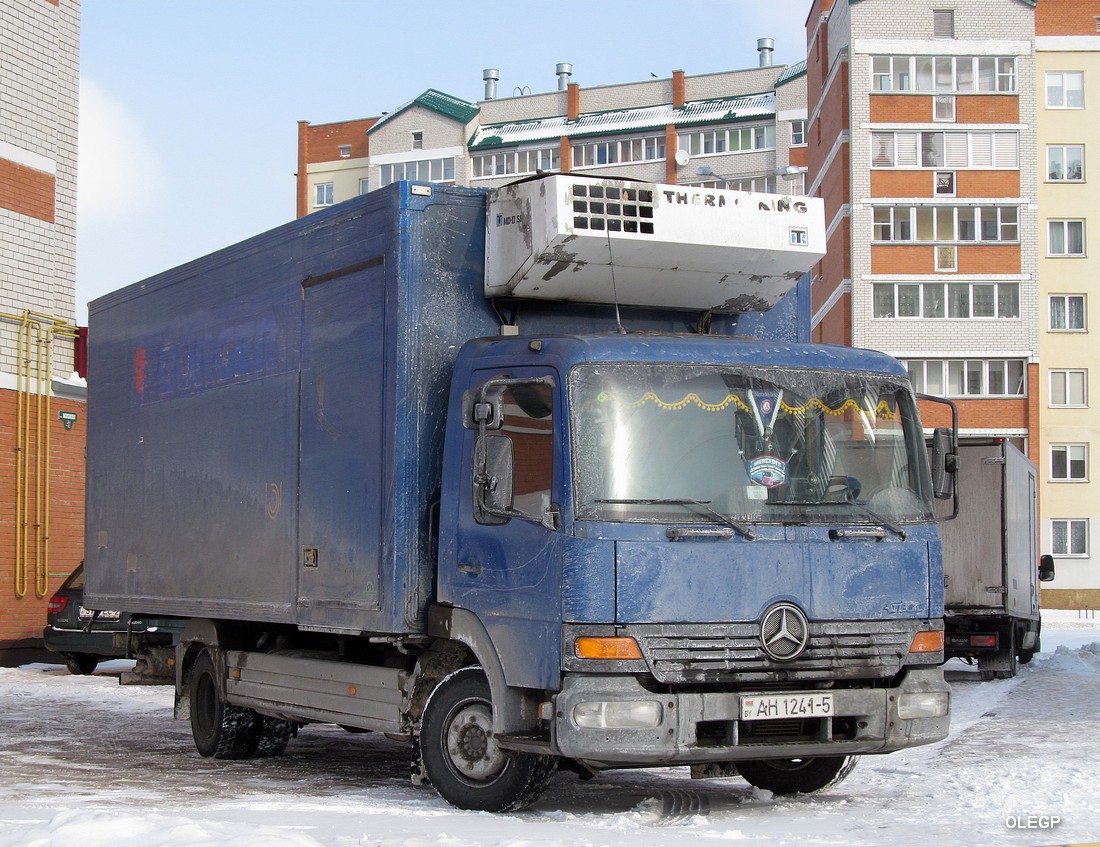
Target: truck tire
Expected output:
[269,737]
[796,776]
[220,730]
[460,757]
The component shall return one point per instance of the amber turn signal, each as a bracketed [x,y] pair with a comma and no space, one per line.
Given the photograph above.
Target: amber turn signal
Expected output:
[589,647]
[930,641]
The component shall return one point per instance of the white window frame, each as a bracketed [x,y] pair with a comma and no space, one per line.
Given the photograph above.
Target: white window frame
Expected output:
[1063,224]
[1071,454]
[345,151]
[364,185]
[1063,77]
[963,368]
[1064,150]
[943,108]
[960,150]
[323,194]
[1064,308]
[1065,375]
[798,133]
[434,170]
[416,139]
[1068,535]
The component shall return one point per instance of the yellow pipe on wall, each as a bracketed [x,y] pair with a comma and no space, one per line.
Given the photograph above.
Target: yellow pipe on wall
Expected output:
[45,329]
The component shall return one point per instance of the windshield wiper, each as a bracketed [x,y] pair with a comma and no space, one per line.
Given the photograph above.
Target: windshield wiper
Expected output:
[877,518]
[704,506]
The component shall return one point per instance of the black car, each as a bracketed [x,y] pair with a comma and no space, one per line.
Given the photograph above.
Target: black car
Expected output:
[85,638]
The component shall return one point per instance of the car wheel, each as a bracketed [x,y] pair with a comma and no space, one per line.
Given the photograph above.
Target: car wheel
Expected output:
[461,757]
[796,776]
[81,664]
[219,729]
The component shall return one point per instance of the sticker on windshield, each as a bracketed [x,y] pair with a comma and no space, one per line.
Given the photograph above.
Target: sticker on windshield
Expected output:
[768,471]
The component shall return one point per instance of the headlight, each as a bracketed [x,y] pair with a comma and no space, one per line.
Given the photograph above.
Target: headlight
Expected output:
[628,714]
[932,704]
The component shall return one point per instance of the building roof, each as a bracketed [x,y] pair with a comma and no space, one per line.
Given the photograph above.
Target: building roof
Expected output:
[625,120]
[436,101]
[792,72]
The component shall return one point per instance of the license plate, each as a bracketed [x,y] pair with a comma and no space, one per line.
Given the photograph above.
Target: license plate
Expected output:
[86,614]
[768,707]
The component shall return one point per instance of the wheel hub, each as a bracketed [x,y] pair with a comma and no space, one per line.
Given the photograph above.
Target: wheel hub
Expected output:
[473,752]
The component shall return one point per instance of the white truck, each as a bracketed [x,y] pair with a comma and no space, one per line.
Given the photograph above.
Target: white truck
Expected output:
[990,557]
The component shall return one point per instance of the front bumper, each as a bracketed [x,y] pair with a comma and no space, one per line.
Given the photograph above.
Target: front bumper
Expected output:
[705,727]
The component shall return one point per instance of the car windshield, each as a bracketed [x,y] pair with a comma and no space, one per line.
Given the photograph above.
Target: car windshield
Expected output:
[745,445]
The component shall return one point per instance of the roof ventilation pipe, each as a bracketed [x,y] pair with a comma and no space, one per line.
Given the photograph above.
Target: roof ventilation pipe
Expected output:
[491,76]
[564,70]
[766,46]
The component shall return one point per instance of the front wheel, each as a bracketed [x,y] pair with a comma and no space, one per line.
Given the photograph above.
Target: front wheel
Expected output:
[796,776]
[461,757]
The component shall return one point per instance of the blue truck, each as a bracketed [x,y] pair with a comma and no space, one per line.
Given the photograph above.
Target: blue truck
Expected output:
[537,478]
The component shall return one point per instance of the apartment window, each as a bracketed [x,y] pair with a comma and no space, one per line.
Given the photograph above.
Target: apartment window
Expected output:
[943,23]
[946,223]
[952,300]
[1066,238]
[324,194]
[932,149]
[1069,537]
[944,74]
[418,140]
[945,183]
[943,107]
[733,140]
[1066,90]
[428,170]
[345,151]
[364,185]
[520,162]
[798,133]
[1066,162]
[1069,388]
[1069,462]
[1067,313]
[968,377]
[947,258]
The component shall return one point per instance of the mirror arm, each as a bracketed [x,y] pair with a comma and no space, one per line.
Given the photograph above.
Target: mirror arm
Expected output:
[951,460]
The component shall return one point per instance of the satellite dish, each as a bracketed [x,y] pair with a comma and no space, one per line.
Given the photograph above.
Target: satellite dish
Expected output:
[682,157]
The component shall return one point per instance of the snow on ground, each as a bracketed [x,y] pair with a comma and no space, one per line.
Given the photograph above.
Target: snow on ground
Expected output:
[84,761]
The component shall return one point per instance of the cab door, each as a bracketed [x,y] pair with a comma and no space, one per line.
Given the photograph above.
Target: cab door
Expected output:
[507,567]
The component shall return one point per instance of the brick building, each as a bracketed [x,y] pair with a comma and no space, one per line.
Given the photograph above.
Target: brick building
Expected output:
[739,129]
[1067,55]
[41,455]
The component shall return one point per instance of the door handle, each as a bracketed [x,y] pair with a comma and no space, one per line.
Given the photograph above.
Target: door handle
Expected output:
[472,568]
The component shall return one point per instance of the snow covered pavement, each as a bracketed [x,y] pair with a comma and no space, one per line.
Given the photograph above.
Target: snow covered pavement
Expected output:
[84,761]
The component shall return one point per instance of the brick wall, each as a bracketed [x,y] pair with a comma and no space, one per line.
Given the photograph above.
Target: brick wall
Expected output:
[1066,17]
[27,191]
[23,617]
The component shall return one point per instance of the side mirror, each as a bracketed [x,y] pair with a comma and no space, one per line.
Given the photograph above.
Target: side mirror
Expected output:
[495,483]
[1046,568]
[945,463]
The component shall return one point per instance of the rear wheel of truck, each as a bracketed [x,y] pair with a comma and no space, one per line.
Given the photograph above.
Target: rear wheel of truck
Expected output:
[219,729]
[461,758]
[796,776]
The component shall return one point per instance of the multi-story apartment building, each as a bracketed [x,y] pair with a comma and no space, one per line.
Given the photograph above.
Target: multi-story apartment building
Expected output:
[41,415]
[741,129]
[922,143]
[1067,56]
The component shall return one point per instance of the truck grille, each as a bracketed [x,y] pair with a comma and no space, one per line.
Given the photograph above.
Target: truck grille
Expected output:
[681,654]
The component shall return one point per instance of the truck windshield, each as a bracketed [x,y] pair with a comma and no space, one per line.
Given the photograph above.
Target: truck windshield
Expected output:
[743,446]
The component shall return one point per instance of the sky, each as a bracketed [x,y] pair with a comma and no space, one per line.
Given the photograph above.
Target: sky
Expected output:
[189,109]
